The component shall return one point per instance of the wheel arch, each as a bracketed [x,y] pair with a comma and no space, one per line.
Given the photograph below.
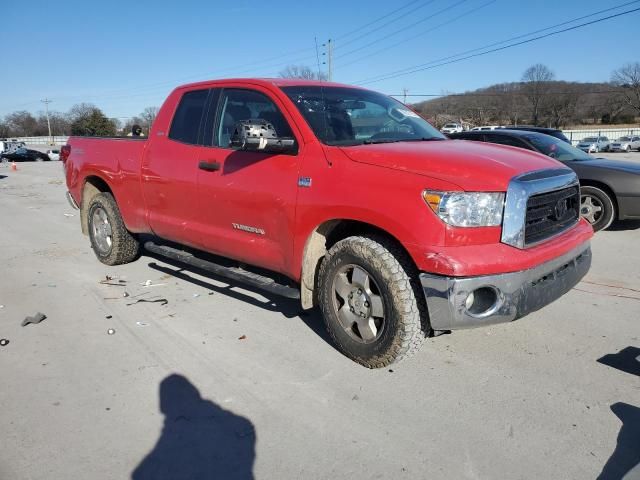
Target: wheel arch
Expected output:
[605,188]
[321,239]
[93,185]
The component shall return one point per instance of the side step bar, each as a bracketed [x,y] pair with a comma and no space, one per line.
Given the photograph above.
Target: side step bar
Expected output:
[242,276]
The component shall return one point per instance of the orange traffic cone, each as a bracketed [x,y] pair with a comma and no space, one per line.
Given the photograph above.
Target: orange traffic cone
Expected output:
[14,167]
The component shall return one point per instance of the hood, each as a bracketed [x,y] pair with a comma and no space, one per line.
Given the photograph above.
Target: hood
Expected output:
[627,166]
[473,166]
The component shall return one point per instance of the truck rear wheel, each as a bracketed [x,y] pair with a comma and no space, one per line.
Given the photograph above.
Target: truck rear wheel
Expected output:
[372,303]
[111,241]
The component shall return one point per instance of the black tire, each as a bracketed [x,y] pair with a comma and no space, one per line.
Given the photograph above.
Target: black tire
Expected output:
[405,323]
[605,217]
[122,246]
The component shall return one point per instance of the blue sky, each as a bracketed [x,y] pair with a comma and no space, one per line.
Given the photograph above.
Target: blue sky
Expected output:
[125,56]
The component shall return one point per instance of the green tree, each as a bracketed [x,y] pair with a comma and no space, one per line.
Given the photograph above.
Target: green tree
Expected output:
[88,120]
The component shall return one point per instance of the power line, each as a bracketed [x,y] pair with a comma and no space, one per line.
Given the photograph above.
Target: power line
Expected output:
[429,65]
[378,19]
[404,29]
[393,20]
[413,37]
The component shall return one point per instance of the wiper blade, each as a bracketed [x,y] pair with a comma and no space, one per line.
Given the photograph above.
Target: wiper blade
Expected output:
[422,139]
[388,140]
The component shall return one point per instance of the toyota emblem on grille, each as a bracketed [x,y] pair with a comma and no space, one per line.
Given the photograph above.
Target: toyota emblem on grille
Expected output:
[560,209]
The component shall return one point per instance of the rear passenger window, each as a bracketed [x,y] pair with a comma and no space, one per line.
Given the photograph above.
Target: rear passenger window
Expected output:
[186,121]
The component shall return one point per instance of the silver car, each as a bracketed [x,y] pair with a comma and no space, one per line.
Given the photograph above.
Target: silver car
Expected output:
[594,144]
[626,144]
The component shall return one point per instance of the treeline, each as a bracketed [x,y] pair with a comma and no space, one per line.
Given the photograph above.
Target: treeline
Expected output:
[82,119]
[540,99]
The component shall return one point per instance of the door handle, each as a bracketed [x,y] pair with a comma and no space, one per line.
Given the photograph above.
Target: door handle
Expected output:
[209,166]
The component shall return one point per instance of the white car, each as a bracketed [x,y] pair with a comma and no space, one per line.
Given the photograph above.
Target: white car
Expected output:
[594,144]
[54,154]
[487,127]
[452,128]
[626,144]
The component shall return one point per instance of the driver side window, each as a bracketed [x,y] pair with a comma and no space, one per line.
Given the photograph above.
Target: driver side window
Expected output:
[237,105]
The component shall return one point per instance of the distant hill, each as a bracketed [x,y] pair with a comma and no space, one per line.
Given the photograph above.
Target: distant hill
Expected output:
[559,104]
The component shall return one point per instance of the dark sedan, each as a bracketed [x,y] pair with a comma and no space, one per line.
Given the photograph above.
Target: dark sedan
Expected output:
[610,189]
[25,155]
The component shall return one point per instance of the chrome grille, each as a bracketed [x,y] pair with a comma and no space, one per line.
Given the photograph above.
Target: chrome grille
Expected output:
[551,213]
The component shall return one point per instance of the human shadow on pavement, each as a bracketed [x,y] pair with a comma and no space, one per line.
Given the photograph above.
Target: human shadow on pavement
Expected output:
[626,360]
[624,462]
[288,307]
[199,440]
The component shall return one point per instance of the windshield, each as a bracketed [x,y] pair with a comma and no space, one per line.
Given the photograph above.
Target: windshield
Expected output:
[624,139]
[450,125]
[351,116]
[556,148]
[589,139]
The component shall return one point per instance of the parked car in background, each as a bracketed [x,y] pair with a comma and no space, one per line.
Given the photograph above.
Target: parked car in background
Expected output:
[554,132]
[626,144]
[594,144]
[25,155]
[610,189]
[486,127]
[452,128]
[53,154]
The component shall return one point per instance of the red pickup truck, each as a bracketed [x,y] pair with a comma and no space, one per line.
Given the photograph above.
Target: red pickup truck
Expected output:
[343,198]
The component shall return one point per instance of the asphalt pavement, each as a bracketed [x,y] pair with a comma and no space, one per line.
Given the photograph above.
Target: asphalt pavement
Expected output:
[222,382]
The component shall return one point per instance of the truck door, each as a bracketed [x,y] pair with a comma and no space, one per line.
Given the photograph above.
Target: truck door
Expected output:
[170,171]
[246,200]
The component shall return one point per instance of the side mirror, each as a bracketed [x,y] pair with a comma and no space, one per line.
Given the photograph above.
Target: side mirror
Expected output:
[257,135]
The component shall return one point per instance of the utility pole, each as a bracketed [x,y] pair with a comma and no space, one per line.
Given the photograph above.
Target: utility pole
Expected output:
[329,62]
[404,95]
[46,102]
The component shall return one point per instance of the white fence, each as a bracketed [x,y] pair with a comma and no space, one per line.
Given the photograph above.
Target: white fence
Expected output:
[611,133]
[40,140]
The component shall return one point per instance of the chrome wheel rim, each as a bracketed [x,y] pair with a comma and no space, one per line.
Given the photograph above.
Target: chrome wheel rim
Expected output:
[591,208]
[358,304]
[102,232]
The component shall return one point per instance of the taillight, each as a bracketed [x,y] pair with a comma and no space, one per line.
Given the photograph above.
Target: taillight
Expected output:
[65,151]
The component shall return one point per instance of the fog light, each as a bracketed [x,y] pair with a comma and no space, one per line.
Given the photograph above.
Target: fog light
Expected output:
[482,301]
[468,303]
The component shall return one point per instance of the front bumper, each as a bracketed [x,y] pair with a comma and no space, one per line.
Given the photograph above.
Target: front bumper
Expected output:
[516,294]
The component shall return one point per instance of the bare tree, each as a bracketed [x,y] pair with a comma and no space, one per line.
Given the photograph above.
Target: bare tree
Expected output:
[628,79]
[535,80]
[301,71]
[148,116]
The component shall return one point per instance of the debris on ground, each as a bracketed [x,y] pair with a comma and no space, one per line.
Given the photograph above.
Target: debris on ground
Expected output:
[69,215]
[111,331]
[142,324]
[196,295]
[120,283]
[108,316]
[161,301]
[4,342]
[243,337]
[37,318]
[125,294]
[149,283]
[1,306]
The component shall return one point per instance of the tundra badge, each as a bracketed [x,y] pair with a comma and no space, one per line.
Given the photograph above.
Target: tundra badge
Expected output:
[246,228]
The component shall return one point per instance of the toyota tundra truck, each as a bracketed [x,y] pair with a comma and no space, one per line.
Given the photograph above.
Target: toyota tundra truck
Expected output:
[341,198]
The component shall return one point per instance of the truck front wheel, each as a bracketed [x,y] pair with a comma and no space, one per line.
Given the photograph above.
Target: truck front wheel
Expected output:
[111,241]
[371,301]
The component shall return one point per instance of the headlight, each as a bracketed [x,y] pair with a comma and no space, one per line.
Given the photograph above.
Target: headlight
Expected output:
[467,209]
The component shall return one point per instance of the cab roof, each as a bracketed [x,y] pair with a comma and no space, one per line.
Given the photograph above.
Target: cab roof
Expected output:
[278,82]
